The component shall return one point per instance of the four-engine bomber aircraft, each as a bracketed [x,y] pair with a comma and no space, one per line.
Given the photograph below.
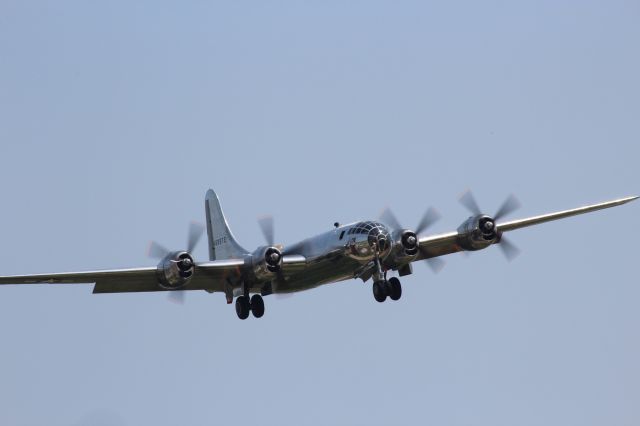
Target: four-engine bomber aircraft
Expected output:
[365,250]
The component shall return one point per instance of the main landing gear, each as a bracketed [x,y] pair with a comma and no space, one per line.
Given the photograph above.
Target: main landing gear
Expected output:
[244,305]
[383,289]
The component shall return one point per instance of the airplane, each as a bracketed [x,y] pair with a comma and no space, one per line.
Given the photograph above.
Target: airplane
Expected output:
[366,250]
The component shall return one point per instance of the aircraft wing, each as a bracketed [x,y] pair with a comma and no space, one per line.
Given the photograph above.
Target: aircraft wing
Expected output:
[535,220]
[209,276]
[439,245]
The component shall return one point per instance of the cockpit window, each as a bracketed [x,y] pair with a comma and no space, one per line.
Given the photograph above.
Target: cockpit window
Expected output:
[365,227]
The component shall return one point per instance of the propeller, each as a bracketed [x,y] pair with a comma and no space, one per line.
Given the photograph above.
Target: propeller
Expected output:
[509,205]
[176,296]
[429,217]
[268,231]
[196,230]
[158,251]
[469,201]
[389,218]
[266,225]
[267,228]
[280,296]
[510,250]
[435,263]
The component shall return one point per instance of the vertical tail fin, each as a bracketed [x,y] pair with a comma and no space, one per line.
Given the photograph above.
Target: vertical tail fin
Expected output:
[222,244]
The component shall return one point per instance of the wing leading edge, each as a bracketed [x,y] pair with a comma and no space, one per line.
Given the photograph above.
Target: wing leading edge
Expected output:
[442,244]
[535,220]
[210,276]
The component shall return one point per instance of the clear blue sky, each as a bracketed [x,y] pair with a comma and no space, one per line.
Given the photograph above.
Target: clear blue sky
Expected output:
[116,117]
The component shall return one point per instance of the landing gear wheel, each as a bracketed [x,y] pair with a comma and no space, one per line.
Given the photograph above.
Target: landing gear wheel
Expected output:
[395,289]
[379,291]
[257,305]
[242,307]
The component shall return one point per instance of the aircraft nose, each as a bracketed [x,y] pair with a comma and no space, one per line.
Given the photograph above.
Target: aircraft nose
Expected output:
[379,238]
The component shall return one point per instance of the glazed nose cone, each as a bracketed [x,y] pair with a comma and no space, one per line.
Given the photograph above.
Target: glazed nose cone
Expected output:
[379,238]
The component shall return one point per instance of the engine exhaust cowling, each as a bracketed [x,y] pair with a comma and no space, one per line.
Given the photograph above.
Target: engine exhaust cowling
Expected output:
[478,232]
[409,242]
[267,261]
[405,247]
[175,270]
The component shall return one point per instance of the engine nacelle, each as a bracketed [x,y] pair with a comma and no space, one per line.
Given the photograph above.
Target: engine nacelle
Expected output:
[405,247]
[409,242]
[175,270]
[266,262]
[477,233]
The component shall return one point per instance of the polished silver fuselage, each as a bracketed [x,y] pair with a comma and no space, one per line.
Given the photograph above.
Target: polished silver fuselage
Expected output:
[332,256]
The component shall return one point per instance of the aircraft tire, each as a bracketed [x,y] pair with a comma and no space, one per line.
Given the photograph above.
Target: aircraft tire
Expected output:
[379,291]
[242,307]
[257,306]
[395,288]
